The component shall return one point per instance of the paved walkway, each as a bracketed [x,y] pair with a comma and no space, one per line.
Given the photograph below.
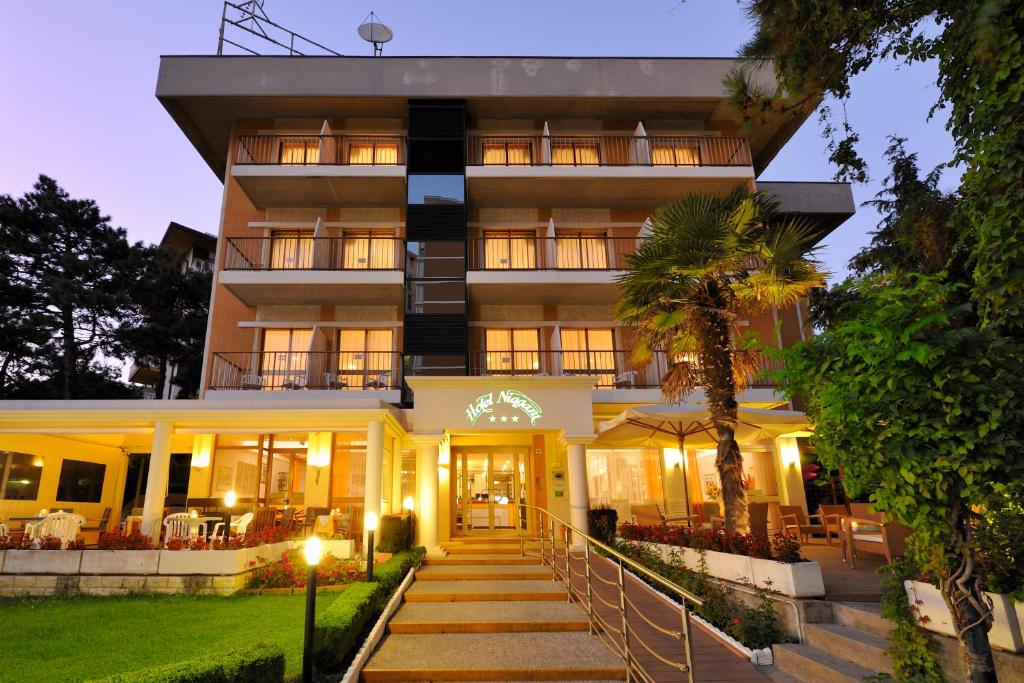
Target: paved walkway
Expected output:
[860,584]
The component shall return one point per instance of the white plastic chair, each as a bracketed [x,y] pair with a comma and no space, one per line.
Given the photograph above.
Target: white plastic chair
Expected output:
[63,525]
[240,526]
[31,526]
[251,381]
[333,381]
[381,381]
[4,531]
[625,379]
[176,526]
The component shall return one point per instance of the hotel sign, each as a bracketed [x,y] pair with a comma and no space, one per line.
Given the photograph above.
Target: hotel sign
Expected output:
[515,401]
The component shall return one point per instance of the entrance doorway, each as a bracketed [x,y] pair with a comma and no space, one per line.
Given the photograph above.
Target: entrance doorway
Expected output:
[490,483]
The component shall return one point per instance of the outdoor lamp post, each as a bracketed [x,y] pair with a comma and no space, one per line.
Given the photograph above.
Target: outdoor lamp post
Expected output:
[371,526]
[312,550]
[229,502]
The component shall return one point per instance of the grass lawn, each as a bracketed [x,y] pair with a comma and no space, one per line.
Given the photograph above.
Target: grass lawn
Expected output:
[75,639]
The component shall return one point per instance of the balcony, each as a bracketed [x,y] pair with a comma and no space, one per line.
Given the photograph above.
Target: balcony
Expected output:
[626,170]
[517,269]
[321,170]
[355,270]
[354,374]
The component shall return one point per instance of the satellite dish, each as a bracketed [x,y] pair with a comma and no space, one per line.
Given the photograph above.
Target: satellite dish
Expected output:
[373,31]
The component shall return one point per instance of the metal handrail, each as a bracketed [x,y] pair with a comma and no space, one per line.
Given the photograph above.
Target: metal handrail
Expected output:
[625,606]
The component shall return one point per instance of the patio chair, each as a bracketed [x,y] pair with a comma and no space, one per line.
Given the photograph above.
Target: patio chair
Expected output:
[647,515]
[102,524]
[309,518]
[63,525]
[795,519]
[294,383]
[251,381]
[625,380]
[334,381]
[678,517]
[381,381]
[264,518]
[873,536]
[832,517]
[288,520]
[29,528]
[176,525]
[4,531]
[240,526]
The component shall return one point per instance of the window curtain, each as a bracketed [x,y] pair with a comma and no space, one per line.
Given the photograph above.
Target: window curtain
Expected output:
[363,356]
[291,249]
[582,252]
[510,250]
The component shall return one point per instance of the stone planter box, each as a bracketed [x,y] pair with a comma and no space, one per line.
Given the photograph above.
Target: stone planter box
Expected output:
[797,580]
[216,562]
[342,549]
[1006,626]
[120,561]
[42,561]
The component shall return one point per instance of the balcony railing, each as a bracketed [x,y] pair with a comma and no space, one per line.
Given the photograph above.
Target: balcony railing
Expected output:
[607,150]
[315,253]
[568,252]
[613,369]
[302,370]
[321,150]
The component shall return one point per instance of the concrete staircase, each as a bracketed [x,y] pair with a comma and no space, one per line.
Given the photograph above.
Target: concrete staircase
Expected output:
[481,612]
[845,651]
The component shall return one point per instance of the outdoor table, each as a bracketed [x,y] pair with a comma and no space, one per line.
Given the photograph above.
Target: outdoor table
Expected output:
[324,524]
[26,520]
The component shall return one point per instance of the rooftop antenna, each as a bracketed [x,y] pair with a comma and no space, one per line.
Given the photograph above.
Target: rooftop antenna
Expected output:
[250,17]
[372,30]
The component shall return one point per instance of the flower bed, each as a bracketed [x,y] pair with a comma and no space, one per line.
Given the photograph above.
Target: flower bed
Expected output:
[780,547]
[289,570]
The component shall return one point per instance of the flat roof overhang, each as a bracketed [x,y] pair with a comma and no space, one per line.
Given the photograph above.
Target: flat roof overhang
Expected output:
[640,187]
[317,186]
[205,95]
[542,286]
[319,287]
[827,205]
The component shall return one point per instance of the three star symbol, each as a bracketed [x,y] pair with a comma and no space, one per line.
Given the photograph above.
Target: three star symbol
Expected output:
[504,418]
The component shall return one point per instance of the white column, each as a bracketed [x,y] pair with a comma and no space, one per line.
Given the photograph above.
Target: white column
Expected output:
[156,483]
[374,469]
[426,492]
[579,496]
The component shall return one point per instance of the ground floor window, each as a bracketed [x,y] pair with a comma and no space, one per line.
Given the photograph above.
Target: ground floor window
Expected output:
[408,476]
[80,481]
[19,475]
[348,471]
[262,469]
[620,478]
[758,473]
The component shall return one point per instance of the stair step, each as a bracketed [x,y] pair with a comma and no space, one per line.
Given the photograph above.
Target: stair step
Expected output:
[476,549]
[484,540]
[486,617]
[489,572]
[866,616]
[851,644]
[811,665]
[479,559]
[476,590]
[506,656]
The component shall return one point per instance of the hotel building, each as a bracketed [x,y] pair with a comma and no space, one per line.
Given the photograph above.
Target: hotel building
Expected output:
[414,290]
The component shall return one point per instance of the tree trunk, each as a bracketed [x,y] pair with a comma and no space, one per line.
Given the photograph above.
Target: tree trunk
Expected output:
[967,602]
[70,353]
[720,387]
[161,378]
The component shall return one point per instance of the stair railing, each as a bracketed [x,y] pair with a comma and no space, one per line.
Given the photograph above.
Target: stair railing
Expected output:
[585,585]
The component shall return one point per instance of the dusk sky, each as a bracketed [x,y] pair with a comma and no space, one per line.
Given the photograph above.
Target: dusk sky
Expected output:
[77,83]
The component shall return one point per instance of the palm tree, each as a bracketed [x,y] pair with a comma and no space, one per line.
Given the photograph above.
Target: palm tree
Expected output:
[710,261]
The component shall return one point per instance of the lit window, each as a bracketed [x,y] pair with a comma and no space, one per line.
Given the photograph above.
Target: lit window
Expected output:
[19,475]
[582,252]
[622,478]
[291,249]
[589,352]
[300,151]
[675,153]
[513,351]
[372,153]
[365,359]
[510,251]
[511,152]
[574,152]
[284,358]
[363,251]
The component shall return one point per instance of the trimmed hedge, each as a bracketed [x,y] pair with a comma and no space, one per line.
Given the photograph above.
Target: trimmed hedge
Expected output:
[396,532]
[254,664]
[339,629]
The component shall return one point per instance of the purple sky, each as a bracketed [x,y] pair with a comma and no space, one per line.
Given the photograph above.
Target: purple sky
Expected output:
[77,82]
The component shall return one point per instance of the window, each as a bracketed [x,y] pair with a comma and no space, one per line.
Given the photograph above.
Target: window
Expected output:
[80,481]
[589,352]
[507,152]
[291,249]
[364,251]
[300,150]
[437,189]
[348,470]
[575,152]
[510,250]
[675,153]
[582,252]
[624,477]
[758,471]
[373,153]
[19,475]
[365,356]
[284,357]
[513,352]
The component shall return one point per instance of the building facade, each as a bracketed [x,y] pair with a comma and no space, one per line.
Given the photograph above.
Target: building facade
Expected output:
[414,291]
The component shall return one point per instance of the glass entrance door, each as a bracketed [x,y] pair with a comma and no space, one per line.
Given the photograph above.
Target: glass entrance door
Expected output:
[489,485]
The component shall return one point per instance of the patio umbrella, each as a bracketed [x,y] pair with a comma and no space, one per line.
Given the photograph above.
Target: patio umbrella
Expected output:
[678,425]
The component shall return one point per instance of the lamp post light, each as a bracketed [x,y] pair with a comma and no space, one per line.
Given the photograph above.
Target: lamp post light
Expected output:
[229,502]
[371,526]
[312,550]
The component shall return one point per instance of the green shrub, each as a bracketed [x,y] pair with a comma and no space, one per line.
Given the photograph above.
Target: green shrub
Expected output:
[339,629]
[396,533]
[601,524]
[254,664]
